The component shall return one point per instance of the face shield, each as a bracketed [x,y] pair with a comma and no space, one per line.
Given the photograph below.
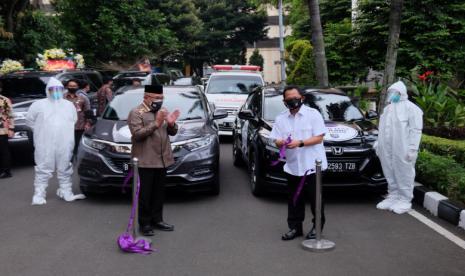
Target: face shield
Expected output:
[55,92]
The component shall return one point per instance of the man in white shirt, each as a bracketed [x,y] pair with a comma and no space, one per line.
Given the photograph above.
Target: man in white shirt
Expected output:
[306,128]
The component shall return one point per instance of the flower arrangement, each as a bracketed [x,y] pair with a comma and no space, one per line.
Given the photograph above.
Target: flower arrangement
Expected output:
[9,65]
[67,59]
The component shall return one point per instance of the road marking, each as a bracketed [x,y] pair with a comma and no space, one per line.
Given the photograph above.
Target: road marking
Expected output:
[436,227]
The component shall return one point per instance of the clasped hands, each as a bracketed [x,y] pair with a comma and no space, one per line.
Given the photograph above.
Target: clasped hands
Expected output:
[170,118]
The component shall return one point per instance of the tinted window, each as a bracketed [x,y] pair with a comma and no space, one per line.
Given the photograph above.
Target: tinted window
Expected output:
[24,87]
[189,102]
[334,107]
[240,84]
[94,81]
[331,106]
[273,106]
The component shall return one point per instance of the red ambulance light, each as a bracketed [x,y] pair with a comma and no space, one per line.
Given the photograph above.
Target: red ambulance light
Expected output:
[236,68]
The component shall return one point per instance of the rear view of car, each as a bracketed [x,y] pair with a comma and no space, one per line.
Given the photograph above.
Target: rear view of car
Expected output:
[228,88]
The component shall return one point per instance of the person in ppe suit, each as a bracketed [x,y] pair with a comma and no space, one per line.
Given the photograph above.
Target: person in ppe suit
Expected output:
[399,138]
[52,121]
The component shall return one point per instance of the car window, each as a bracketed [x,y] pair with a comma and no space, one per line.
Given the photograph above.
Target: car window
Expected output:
[17,87]
[256,105]
[248,102]
[94,81]
[334,107]
[273,106]
[189,102]
[163,79]
[233,84]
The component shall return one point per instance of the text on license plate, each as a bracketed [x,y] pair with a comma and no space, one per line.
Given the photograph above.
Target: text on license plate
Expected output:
[126,167]
[342,166]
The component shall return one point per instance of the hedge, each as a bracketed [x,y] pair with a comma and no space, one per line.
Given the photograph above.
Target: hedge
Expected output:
[442,174]
[445,147]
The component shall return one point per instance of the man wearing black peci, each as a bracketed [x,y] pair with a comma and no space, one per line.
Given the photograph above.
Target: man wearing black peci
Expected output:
[150,126]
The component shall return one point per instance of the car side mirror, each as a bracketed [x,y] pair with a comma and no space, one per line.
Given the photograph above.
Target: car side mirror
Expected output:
[246,114]
[219,114]
[371,114]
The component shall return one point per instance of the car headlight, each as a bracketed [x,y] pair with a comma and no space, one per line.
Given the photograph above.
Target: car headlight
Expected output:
[267,139]
[120,148]
[193,144]
[19,115]
[93,143]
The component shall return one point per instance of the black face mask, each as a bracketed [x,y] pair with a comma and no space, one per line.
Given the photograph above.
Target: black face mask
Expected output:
[293,103]
[155,106]
[72,90]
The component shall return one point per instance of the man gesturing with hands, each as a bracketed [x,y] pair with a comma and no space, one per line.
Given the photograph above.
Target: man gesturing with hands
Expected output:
[151,125]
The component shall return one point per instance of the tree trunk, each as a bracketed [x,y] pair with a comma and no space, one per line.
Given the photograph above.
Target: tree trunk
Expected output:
[392,47]
[321,68]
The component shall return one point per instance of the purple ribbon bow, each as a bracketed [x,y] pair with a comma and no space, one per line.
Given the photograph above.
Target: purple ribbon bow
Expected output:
[282,155]
[126,241]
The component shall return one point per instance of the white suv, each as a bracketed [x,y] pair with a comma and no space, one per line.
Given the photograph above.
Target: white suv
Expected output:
[228,88]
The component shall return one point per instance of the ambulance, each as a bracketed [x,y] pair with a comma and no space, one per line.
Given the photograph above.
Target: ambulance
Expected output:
[227,89]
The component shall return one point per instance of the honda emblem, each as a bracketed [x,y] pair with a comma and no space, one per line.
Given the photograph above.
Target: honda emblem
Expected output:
[337,150]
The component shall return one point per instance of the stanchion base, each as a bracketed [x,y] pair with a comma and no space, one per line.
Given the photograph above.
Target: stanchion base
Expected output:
[318,246]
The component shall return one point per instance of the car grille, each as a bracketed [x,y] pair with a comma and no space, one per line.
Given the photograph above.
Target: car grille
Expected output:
[118,163]
[230,111]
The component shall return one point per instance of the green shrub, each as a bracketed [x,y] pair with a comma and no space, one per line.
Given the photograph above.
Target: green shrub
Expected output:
[445,147]
[441,174]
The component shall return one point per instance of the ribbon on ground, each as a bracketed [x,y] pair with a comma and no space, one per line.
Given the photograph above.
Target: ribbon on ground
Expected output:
[126,241]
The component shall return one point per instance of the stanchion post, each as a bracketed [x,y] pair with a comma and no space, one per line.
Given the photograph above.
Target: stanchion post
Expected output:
[135,200]
[318,244]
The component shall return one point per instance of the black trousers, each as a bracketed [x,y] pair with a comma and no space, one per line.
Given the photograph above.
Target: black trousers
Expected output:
[5,158]
[296,214]
[77,139]
[151,196]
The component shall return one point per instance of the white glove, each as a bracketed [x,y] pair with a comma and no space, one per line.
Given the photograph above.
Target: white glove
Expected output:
[412,155]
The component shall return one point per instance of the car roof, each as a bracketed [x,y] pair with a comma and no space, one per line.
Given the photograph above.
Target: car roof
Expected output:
[177,88]
[38,73]
[279,90]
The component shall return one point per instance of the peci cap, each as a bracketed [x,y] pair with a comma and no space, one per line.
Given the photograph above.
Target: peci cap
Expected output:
[157,89]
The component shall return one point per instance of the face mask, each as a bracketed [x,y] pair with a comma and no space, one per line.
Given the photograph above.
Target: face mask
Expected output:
[293,103]
[72,90]
[395,98]
[155,106]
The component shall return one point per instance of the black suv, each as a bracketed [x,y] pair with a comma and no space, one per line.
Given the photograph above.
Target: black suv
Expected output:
[348,142]
[125,78]
[25,87]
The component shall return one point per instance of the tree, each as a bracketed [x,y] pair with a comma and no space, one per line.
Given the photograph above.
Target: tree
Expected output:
[433,38]
[256,59]
[391,53]
[10,10]
[227,27]
[112,30]
[321,67]
[301,68]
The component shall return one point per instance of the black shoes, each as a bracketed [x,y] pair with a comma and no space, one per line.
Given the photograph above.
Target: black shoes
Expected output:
[163,226]
[146,230]
[5,174]
[292,234]
[312,234]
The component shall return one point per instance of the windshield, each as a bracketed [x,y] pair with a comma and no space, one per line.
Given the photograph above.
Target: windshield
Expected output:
[333,107]
[233,84]
[189,102]
[23,87]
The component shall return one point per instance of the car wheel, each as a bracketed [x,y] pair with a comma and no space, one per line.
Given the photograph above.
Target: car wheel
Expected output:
[256,183]
[237,156]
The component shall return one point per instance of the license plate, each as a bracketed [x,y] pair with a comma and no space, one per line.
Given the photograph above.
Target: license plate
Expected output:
[342,167]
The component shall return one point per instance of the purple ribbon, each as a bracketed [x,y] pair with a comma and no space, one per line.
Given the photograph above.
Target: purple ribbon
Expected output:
[126,241]
[282,151]
[126,180]
[282,155]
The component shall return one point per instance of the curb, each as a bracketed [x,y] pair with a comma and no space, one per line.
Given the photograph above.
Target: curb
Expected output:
[439,205]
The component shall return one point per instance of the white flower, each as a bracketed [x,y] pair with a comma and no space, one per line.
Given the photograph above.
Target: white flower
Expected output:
[9,65]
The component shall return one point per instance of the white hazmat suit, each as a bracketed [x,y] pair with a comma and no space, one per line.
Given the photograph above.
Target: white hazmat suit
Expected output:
[399,138]
[52,121]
